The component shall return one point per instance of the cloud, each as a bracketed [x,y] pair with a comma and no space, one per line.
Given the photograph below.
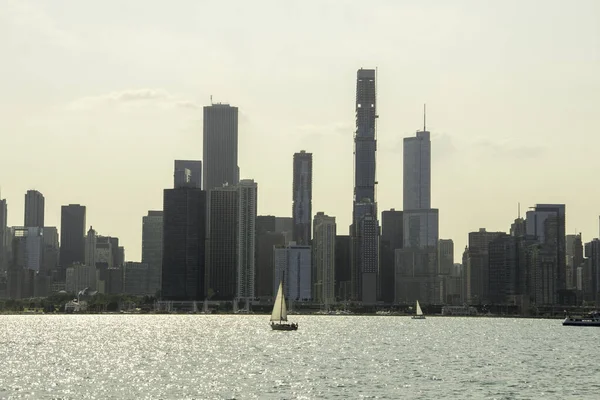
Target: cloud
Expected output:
[26,23]
[510,148]
[133,97]
[328,129]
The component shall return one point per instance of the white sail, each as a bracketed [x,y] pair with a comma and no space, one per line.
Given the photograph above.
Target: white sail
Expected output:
[419,311]
[279,310]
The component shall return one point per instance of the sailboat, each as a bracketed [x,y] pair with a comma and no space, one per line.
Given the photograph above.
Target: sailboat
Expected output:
[419,314]
[279,314]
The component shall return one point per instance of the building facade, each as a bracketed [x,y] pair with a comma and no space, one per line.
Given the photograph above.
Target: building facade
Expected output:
[546,223]
[184,233]
[3,235]
[324,259]
[152,248]
[364,230]
[187,173]
[90,248]
[34,209]
[220,150]
[72,235]
[293,267]
[222,243]
[302,197]
[246,238]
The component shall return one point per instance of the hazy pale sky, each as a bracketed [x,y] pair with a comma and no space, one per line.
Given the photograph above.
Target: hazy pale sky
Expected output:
[98,98]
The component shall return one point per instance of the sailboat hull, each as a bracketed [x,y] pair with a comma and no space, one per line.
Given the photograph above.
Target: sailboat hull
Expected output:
[284,327]
[418,317]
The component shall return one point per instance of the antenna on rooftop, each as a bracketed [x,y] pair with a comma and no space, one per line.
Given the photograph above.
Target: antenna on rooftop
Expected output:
[519,210]
[424,117]
[211,103]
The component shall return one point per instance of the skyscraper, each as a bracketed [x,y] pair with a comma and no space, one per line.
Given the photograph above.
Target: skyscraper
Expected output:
[324,258]
[302,197]
[152,248]
[184,232]
[364,230]
[220,150]
[392,226]
[3,235]
[51,248]
[546,222]
[246,238]
[292,265]
[416,263]
[187,173]
[72,235]
[222,243]
[574,251]
[34,209]
[90,248]
[417,172]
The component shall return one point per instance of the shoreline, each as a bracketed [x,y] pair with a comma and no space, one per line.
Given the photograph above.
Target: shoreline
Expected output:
[292,315]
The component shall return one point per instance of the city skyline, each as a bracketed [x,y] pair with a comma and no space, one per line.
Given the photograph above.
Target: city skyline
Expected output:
[499,118]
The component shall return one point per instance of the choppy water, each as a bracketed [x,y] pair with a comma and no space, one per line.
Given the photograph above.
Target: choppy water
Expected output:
[342,357]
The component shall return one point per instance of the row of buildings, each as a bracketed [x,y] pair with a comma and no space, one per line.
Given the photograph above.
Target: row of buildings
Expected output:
[208,241]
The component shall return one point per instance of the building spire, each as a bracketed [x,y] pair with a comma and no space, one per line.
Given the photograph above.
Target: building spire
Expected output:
[424,117]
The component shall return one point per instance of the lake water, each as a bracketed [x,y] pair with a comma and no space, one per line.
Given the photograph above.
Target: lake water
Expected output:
[329,357]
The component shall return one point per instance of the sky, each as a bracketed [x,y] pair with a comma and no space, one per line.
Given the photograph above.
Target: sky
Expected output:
[97,99]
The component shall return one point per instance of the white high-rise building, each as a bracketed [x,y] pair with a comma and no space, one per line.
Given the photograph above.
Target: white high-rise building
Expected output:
[90,248]
[246,240]
[421,222]
[417,172]
[324,258]
[293,265]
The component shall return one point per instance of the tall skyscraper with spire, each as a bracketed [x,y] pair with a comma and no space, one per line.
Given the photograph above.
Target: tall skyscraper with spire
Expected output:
[416,265]
[364,230]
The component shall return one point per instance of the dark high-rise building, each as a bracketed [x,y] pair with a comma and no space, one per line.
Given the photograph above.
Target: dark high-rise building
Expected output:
[3,235]
[184,233]
[266,239]
[265,267]
[574,251]
[364,230]
[343,276]
[391,239]
[72,235]
[285,226]
[477,265]
[546,223]
[503,276]
[220,151]
[187,173]
[34,209]
[302,198]
[265,223]
[152,248]
[222,242]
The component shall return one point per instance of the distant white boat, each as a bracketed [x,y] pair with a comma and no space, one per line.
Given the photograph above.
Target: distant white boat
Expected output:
[419,314]
[279,314]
